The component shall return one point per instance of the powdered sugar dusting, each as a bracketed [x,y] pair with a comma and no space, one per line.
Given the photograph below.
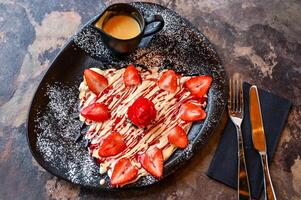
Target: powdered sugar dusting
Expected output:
[179,45]
[56,130]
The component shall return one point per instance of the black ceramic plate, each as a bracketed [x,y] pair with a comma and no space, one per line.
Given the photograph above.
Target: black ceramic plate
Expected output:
[52,125]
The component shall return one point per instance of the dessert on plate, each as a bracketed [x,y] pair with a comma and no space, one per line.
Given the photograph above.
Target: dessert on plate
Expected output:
[138,117]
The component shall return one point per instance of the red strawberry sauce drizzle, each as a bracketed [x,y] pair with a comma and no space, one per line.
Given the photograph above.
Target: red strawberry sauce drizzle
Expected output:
[117,97]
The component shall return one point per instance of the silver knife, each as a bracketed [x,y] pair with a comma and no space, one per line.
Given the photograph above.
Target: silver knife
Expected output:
[258,137]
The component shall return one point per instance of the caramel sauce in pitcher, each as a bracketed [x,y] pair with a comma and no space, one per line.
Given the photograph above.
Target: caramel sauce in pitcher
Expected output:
[122,27]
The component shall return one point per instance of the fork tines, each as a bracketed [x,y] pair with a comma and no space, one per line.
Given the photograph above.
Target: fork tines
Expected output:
[235,101]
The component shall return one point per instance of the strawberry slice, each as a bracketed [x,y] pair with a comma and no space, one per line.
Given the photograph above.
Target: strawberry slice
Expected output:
[168,81]
[178,137]
[123,172]
[98,112]
[190,112]
[199,85]
[95,81]
[152,161]
[131,76]
[112,145]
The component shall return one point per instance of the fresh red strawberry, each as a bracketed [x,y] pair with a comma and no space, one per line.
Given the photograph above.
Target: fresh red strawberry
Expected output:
[95,81]
[123,172]
[131,76]
[168,81]
[152,161]
[178,137]
[98,112]
[112,145]
[142,112]
[190,112]
[199,85]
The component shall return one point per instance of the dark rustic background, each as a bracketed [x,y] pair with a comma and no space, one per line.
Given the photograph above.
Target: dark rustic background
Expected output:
[259,39]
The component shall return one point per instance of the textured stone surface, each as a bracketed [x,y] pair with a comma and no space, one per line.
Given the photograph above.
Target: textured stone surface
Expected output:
[259,39]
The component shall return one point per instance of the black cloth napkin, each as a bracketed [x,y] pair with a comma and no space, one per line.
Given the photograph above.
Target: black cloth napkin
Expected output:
[223,167]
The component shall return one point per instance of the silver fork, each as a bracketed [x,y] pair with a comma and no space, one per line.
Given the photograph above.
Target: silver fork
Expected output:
[236,111]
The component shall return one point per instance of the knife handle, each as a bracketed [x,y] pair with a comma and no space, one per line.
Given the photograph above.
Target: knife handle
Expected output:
[243,180]
[269,191]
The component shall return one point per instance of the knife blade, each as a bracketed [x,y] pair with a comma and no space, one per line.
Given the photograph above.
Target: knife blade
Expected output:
[258,135]
[259,141]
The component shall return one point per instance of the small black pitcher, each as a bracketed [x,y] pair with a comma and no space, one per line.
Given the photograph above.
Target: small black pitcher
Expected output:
[125,46]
